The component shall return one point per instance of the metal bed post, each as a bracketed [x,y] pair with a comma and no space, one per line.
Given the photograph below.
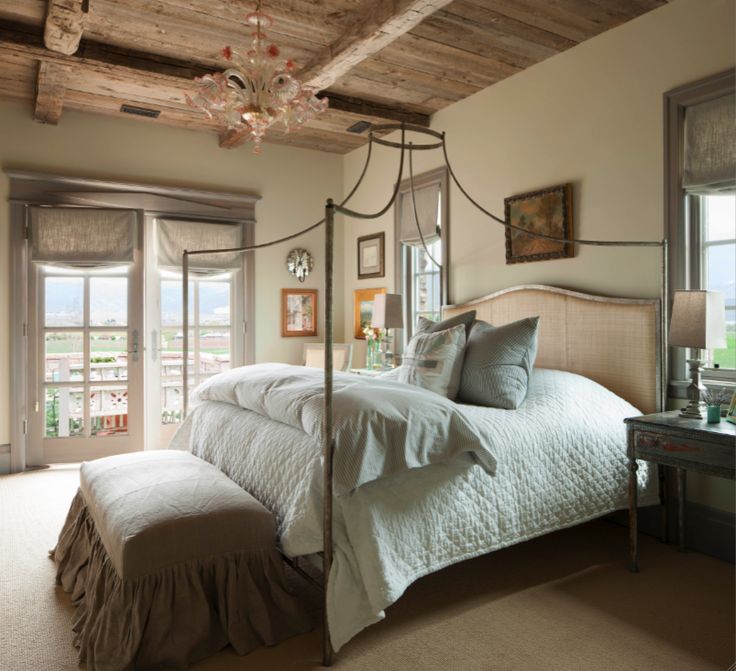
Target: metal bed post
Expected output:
[327,443]
[185,343]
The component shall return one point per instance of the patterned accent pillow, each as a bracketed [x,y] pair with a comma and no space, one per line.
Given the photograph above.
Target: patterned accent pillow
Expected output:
[498,363]
[434,361]
[428,326]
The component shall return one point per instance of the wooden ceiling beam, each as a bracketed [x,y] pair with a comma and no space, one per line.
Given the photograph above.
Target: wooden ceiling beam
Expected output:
[50,91]
[384,21]
[64,25]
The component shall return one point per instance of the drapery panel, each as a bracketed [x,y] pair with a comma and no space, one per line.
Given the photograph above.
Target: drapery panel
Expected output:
[82,237]
[427,202]
[173,236]
[710,147]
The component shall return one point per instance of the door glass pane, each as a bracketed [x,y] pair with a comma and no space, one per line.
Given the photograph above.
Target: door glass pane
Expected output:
[108,301]
[214,350]
[64,301]
[108,355]
[214,303]
[64,412]
[108,410]
[171,312]
[64,357]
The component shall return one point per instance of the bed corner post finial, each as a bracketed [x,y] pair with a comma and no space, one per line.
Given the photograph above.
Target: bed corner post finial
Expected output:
[185,334]
[327,443]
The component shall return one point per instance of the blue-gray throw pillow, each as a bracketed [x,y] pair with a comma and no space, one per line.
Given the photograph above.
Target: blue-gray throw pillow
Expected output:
[498,363]
[428,326]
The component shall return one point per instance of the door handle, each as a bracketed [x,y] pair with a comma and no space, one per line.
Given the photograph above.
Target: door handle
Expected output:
[134,346]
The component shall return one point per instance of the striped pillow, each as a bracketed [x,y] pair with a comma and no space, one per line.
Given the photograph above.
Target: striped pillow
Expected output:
[434,360]
[498,363]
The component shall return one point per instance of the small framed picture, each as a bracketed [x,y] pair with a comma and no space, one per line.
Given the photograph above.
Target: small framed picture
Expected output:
[298,312]
[549,212]
[363,309]
[371,256]
[731,414]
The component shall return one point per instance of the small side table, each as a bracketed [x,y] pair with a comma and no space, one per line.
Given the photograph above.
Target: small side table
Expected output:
[685,444]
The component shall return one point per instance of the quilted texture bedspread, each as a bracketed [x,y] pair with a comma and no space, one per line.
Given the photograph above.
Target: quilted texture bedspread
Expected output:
[560,460]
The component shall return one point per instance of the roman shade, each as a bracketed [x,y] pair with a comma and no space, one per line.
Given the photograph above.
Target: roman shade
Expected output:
[710,147]
[427,201]
[174,236]
[82,237]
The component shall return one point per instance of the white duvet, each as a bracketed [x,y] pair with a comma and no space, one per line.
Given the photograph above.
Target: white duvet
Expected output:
[560,460]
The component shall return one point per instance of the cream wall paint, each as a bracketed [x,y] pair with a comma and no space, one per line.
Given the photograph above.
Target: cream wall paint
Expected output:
[293,184]
[591,116]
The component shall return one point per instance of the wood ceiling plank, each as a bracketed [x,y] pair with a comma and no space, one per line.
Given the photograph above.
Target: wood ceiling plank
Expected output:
[445,61]
[64,25]
[50,91]
[383,22]
[359,108]
[361,87]
[27,11]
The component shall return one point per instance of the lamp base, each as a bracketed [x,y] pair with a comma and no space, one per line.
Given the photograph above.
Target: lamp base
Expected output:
[695,409]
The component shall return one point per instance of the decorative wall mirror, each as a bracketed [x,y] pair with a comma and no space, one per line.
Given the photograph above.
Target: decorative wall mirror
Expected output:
[299,263]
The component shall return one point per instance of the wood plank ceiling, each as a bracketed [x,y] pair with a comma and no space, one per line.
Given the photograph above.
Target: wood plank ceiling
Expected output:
[377,60]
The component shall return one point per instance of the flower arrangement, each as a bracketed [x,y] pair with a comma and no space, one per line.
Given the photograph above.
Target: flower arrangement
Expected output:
[373,339]
[717,396]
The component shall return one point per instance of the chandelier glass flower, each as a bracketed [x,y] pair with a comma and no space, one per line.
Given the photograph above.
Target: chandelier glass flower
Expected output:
[258,91]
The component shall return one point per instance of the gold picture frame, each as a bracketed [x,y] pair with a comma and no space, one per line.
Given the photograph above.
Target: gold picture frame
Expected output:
[363,309]
[298,312]
[547,211]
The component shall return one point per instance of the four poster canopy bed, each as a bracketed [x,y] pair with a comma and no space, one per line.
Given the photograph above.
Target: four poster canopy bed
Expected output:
[381,482]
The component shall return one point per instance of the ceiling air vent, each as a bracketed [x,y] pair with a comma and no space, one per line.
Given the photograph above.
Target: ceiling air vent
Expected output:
[359,127]
[140,111]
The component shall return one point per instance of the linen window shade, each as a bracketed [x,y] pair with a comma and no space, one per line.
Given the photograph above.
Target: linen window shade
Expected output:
[175,236]
[710,147]
[427,200]
[82,237]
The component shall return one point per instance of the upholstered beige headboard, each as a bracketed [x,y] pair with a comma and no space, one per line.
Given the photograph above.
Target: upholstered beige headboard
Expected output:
[614,341]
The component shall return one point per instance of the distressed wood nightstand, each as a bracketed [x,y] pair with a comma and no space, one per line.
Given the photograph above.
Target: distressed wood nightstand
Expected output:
[685,444]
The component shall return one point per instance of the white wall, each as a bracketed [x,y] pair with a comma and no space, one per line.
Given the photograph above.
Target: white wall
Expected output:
[591,116]
[293,183]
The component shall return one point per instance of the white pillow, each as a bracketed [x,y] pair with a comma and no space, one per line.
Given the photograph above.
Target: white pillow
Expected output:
[434,361]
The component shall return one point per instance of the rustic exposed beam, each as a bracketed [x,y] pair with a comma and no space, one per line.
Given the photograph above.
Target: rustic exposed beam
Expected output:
[64,25]
[50,91]
[384,21]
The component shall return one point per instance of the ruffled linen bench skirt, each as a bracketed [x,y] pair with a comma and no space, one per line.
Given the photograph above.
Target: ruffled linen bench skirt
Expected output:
[169,561]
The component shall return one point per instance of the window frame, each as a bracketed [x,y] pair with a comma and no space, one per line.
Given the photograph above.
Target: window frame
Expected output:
[682,217]
[402,256]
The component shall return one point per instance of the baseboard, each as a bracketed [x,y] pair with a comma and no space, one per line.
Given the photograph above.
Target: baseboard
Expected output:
[4,459]
[707,530]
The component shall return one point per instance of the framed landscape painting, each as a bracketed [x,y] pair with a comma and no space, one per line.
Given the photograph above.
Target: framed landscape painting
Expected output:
[363,309]
[298,312]
[548,211]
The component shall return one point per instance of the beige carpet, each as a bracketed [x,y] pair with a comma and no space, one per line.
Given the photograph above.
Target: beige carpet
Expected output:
[565,601]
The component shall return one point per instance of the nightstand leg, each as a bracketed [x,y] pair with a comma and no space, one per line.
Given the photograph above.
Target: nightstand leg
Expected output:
[681,495]
[633,508]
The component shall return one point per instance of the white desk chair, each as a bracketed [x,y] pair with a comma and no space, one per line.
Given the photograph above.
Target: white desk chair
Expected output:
[314,355]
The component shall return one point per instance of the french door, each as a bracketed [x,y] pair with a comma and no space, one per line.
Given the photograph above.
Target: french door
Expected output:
[86,361]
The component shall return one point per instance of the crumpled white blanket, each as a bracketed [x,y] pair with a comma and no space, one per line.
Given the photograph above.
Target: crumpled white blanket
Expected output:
[561,460]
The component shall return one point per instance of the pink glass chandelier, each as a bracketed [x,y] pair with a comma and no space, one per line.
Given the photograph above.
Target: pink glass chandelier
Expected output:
[258,91]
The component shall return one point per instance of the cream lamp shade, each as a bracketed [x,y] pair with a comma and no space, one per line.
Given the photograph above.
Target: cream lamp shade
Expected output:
[698,320]
[387,312]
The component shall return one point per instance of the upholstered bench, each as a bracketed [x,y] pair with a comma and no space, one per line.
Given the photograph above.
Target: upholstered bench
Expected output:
[169,561]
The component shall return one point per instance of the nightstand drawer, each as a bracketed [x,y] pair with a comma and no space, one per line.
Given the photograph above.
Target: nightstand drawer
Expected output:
[654,445]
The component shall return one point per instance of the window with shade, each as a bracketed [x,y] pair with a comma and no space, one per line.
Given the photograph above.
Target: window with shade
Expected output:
[709,191]
[422,241]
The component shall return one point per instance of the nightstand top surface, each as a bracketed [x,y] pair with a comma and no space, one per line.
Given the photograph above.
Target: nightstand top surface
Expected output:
[671,420]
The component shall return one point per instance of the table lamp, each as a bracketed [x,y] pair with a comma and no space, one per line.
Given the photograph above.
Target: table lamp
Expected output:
[387,314]
[698,322]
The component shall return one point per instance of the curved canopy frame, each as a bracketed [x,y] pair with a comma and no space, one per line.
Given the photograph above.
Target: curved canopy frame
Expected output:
[436,141]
